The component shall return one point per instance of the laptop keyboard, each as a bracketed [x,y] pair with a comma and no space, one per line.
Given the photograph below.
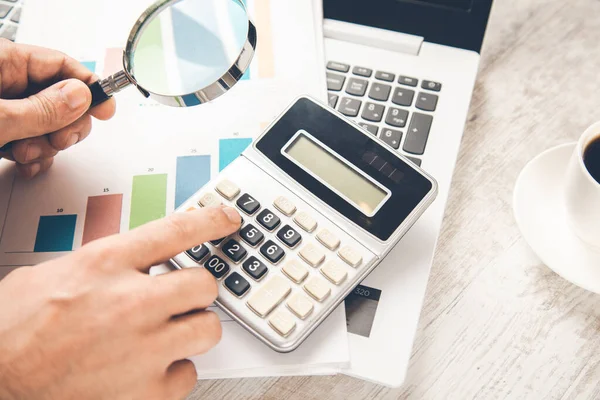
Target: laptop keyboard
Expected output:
[397,109]
[10,16]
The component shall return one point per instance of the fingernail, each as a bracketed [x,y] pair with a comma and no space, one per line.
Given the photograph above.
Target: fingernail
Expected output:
[33,152]
[74,138]
[233,215]
[34,169]
[73,95]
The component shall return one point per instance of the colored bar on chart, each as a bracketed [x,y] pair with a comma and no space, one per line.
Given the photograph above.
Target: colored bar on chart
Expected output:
[55,233]
[193,172]
[230,149]
[113,61]
[102,217]
[265,52]
[246,76]
[91,65]
[148,199]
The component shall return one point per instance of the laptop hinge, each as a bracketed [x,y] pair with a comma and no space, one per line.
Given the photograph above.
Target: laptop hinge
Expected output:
[372,37]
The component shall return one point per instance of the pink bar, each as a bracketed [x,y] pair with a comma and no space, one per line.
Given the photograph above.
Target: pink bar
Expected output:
[113,62]
[102,217]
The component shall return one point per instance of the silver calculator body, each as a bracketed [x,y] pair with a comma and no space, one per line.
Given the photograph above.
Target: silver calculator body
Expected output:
[322,202]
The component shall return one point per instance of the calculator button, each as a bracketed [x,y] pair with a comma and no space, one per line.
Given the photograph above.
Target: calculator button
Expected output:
[210,200]
[334,271]
[373,112]
[268,220]
[351,256]
[335,81]
[234,251]
[385,76]
[328,239]
[312,255]
[217,241]
[228,189]
[285,206]
[289,236]
[300,305]
[305,221]
[217,266]
[251,235]
[269,296]
[408,81]
[391,137]
[318,288]
[396,117]
[283,322]
[198,253]
[427,101]
[255,268]
[248,204]
[403,97]
[430,85]
[272,252]
[237,284]
[295,271]
[349,107]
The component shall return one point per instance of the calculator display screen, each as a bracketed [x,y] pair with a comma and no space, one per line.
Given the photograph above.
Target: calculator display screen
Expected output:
[356,188]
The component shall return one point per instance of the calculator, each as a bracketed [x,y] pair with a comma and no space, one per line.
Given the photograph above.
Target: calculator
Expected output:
[322,203]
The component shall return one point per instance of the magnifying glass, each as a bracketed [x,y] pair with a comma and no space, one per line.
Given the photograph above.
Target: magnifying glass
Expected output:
[183,53]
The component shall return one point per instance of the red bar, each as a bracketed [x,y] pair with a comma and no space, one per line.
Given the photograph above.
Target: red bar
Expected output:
[102,217]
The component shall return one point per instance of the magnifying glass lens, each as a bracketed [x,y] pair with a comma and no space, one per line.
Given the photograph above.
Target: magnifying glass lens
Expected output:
[189,45]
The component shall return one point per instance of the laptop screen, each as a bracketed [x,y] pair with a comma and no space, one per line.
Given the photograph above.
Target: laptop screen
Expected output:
[455,23]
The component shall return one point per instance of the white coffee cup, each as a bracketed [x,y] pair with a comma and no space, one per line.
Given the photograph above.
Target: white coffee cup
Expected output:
[582,192]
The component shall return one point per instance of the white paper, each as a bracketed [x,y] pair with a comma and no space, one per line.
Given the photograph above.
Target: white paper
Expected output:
[147,139]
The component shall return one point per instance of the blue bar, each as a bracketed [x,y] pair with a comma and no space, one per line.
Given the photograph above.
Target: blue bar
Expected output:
[230,149]
[55,233]
[193,172]
[91,65]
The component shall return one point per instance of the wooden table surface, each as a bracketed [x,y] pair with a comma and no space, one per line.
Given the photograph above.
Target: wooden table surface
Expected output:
[496,323]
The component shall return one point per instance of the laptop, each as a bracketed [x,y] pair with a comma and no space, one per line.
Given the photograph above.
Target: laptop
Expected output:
[404,70]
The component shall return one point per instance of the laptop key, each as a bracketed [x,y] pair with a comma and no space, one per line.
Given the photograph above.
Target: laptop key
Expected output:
[396,117]
[408,81]
[10,33]
[403,97]
[4,10]
[373,112]
[385,76]
[362,71]
[349,107]
[335,81]
[427,101]
[380,92]
[391,137]
[418,133]
[333,99]
[430,85]
[16,17]
[336,66]
[357,87]
[371,128]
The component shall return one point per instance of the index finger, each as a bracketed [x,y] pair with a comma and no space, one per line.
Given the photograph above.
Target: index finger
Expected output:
[160,240]
[45,64]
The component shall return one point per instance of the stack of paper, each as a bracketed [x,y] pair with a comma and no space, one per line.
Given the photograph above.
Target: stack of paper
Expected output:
[147,160]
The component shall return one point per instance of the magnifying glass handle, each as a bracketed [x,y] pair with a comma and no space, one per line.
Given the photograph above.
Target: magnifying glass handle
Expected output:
[99,96]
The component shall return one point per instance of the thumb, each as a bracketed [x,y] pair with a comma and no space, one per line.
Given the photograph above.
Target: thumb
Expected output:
[47,111]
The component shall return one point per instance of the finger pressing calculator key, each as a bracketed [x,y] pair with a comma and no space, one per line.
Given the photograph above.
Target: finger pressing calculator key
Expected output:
[248,204]
[237,284]
[268,220]
[251,235]
[217,266]
[198,253]
[234,251]
[272,252]
[255,268]
[289,236]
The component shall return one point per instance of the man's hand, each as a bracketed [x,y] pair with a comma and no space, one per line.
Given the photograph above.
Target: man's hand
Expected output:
[44,103]
[95,325]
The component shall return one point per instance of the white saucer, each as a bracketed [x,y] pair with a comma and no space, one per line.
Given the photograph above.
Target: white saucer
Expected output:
[540,213]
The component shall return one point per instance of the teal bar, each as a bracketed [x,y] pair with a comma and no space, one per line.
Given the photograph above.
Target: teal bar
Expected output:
[55,233]
[230,149]
[91,65]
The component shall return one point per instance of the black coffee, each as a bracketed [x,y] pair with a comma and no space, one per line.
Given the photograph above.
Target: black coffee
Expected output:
[591,159]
